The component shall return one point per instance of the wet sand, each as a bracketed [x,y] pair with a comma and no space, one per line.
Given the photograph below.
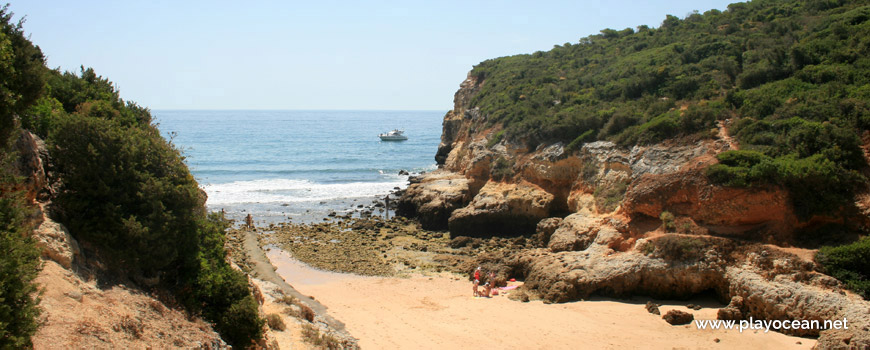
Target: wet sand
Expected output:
[438,312]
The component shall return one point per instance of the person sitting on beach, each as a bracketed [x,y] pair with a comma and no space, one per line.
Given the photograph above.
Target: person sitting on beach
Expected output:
[490,283]
[487,289]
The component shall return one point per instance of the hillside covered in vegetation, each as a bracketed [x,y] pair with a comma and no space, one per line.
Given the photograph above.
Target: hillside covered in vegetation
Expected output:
[792,75]
[123,191]
[746,126]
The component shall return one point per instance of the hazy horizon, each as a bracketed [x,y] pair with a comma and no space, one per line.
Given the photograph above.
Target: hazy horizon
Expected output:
[312,56]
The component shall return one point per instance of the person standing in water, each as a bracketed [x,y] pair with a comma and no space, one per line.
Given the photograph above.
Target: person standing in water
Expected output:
[387,207]
[249,221]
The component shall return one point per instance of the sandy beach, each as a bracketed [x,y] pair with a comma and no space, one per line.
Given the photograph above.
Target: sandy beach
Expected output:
[438,312]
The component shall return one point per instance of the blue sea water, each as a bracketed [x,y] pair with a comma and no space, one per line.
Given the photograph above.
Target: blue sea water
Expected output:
[299,164]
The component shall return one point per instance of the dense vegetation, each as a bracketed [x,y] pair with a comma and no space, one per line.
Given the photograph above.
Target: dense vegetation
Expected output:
[793,76]
[19,265]
[850,264]
[126,192]
[20,83]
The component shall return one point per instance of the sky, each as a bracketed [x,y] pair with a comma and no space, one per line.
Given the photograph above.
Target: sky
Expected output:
[313,55]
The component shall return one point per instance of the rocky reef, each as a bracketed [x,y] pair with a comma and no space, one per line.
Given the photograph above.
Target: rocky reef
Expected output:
[639,220]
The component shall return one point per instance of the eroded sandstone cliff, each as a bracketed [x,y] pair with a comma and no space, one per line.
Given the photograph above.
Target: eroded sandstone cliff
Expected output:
[641,220]
[504,179]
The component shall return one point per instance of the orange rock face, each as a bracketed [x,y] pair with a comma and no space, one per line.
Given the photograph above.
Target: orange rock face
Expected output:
[599,179]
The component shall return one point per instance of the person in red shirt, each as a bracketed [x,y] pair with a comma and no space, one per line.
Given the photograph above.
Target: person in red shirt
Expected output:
[476,281]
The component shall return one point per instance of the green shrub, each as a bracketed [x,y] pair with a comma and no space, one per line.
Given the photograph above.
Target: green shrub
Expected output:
[22,80]
[275,322]
[667,219]
[607,198]
[578,142]
[19,266]
[217,290]
[679,248]
[241,324]
[850,264]
[22,73]
[495,139]
[127,193]
[502,169]
[817,184]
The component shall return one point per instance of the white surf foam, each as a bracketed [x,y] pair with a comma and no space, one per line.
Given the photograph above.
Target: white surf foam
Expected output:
[294,191]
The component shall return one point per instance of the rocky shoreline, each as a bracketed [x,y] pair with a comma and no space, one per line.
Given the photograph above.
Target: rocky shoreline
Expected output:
[625,220]
[664,269]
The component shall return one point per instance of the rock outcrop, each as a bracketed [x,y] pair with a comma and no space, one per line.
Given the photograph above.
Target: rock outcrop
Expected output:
[434,198]
[599,178]
[678,317]
[652,308]
[54,240]
[760,281]
[639,220]
[502,209]
[545,230]
[575,232]
[30,165]
[723,211]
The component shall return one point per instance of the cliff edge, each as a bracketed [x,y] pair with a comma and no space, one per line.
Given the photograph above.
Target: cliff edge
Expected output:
[631,182]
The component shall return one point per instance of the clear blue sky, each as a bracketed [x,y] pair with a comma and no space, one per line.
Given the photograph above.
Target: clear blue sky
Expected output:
[393,55]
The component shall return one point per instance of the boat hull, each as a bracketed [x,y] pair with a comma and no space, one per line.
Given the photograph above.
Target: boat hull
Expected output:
[393,138]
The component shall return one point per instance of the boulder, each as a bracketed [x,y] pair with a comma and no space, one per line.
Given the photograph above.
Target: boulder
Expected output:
[653,308]
[55,241]
[576,232]
[677,317]
[544,230]
[502,209]
[434,198]
[733,311]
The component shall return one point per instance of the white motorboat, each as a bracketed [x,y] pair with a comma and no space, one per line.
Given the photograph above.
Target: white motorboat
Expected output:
[394,135]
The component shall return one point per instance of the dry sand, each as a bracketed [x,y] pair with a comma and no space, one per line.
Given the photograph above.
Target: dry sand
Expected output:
[438,312]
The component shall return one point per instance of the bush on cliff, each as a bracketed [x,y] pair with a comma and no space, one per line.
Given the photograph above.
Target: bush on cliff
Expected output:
[19,263]
[21,81]
[793,76]
[817,184]
[849,263]
[127,192]
[22,75]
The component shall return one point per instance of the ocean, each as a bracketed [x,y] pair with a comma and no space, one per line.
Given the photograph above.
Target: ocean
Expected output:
[300,165]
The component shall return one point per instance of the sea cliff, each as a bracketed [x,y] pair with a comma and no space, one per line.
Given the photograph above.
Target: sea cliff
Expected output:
[621,215]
